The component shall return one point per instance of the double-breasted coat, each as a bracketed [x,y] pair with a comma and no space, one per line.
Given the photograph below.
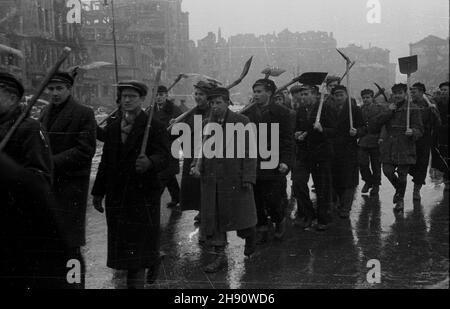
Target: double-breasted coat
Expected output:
[397,148]
[72,134]
[132,200]
[225,204]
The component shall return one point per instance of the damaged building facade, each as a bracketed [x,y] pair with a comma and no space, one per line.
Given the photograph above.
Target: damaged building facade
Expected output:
[295,53]
[149,34]
[33,35]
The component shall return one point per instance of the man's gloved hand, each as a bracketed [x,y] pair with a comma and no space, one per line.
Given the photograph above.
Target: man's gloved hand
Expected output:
[143,164]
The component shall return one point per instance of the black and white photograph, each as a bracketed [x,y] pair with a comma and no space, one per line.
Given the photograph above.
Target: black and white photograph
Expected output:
[224,150]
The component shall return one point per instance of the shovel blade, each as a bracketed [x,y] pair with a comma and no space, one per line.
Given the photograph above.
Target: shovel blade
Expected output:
[312,78]
[408,65]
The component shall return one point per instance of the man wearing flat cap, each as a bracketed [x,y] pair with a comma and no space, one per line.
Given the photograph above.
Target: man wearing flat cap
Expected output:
[345,146]
[227,199]
[270,189]
[32,248]
[72,131]
[398,146]
[190,195]
[165,111]
[129,183]
[369,148]
[313,158]
[431,121]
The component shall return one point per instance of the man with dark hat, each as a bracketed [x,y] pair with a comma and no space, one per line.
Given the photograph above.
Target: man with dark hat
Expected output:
[313,157]
[270,189]
[190,195]
[369,148]
[398,146]
[72,131]
[33,252]
[345,147]
[165,111]
[129,181]
[431,121]
[227,199]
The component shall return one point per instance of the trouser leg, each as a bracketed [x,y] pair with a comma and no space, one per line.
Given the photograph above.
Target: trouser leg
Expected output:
[402,171]
[389,172]
[420,169]
[277,199]
[174,189]
[305,207]
[260,201]
[364,165]
[375,162]
[321,173]
[347,197]
[76,255]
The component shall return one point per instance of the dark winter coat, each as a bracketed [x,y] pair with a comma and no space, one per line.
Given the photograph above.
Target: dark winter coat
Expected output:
[278,115]
[168,112]
[224,201]
[33,251]
[132,200]
[345,162]
[397,148]
[73,143]
[370,137]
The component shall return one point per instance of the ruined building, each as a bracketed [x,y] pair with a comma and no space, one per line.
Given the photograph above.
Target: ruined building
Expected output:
[433,61]
[149,34]
[37,31]
[296,53]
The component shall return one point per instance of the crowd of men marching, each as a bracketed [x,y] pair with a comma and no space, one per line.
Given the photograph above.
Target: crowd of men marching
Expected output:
[46,165]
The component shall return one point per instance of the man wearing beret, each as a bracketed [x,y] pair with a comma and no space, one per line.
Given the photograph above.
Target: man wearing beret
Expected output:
[227,199]
[313,157]
[190,186]
[33,252]
[369,148]
[129,183]
[345,147]
[270,189]
[431,121]
[72,131]
[165,111]
[398,146]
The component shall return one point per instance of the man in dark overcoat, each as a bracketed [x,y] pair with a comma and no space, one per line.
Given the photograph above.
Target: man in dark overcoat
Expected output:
[227,182]
[270,189]
[190,194]
[313,157]
[71,128]
[369,148]
[165,111]
[33,251]
[345,147]
[398,142]
[431,121]
[130,184]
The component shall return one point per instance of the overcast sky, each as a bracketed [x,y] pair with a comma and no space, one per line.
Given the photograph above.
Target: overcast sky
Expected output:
[402,21]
